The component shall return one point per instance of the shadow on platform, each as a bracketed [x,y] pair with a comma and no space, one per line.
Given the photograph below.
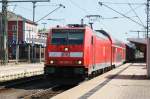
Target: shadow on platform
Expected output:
[129,77]
[141,65]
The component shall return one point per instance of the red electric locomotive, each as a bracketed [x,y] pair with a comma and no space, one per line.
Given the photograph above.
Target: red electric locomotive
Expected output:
[78,50]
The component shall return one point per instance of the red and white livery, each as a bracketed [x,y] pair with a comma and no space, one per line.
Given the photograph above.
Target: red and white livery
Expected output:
[78,50]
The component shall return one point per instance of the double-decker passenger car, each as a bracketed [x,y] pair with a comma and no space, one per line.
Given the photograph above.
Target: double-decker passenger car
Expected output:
[78,50]
[118,53]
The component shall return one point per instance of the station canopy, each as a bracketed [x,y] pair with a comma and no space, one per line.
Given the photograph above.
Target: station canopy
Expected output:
[140,43]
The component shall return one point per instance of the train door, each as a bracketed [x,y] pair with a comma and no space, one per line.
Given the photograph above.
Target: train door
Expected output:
[93,53]
[113,56]
[104,56]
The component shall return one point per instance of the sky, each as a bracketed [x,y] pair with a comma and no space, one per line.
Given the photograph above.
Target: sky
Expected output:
[120,27]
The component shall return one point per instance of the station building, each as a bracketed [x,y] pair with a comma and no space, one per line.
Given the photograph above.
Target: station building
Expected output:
[29,40]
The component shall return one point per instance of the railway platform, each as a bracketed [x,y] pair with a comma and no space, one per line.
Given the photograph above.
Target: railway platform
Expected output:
[14,71]
[128,81]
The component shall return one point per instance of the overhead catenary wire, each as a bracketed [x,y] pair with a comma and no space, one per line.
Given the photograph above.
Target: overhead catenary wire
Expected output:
[134,9]
[116,17]
[14,7]
[76,5]
[60,19]
[136,14]
[51,12]
[131,10]
[123,3]
[28,9]
[105,26]
[100,3]
[48,5]
[21,1]
[138,6]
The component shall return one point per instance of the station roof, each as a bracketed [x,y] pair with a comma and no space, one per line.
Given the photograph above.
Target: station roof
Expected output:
[137,40]
[13,17]
[140,43]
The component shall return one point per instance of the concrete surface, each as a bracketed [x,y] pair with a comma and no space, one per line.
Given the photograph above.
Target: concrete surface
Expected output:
[15,71]
[125,82]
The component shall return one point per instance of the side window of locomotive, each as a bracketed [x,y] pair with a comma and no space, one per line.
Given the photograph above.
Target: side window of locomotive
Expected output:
[92,40]
[59,38]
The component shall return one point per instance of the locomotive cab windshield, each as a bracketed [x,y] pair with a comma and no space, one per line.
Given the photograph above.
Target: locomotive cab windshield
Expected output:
[67,37]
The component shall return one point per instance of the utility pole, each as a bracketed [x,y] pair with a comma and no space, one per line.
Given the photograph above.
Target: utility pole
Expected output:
[1,40]
[148,40]
[34,6]
[33,45]
[4,33]
[148,16]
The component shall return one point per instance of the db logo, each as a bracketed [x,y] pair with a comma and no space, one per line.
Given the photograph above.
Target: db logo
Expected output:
[65,54]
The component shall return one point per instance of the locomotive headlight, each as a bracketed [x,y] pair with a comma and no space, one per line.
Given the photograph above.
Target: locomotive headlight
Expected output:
[66,49]
[79,62]
[52,62]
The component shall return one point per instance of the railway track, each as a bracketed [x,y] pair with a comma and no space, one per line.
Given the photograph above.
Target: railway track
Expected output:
[41,93]
[32,88]
[13,83]
[9,90]
[47,93]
